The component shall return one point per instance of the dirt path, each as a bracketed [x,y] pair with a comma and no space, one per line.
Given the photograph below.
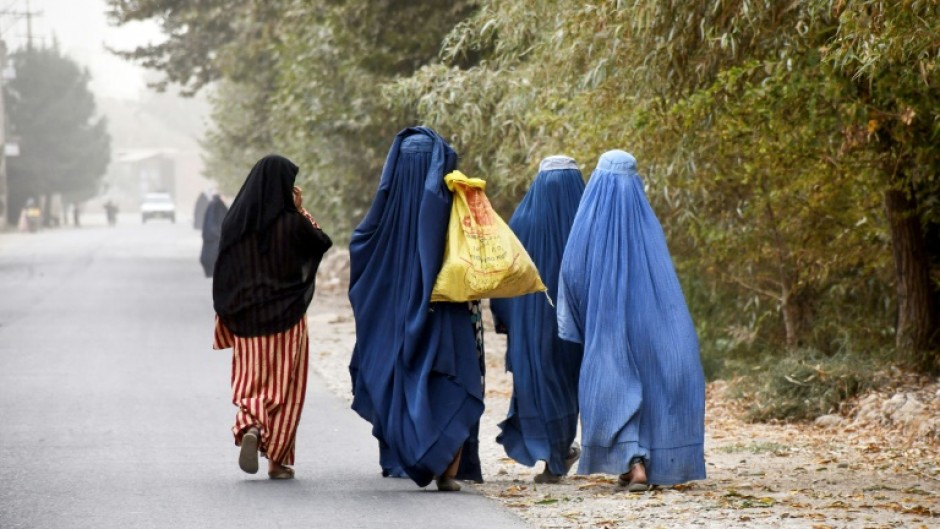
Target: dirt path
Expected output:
[869,473]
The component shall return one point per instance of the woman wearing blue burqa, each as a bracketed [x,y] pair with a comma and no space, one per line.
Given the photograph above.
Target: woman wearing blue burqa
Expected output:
[415,367]
[543,411]
[642,390]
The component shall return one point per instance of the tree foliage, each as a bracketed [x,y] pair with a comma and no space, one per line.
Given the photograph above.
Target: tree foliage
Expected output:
[64,146]
[788,147]
[891,51]
[205,41]
[331,116]
[299,77]
[773,135]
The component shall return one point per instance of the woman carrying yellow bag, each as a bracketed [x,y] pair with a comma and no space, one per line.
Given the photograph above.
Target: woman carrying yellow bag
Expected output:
[483,258]
[415,367]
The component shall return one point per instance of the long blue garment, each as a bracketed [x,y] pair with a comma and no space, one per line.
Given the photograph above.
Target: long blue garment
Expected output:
[415,370]
[543,412]
[642,389]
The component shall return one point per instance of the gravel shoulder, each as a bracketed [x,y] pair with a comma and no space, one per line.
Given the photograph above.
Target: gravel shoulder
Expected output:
[876,466]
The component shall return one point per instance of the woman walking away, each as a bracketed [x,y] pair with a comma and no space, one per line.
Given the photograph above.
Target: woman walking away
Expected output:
[543,412]
[269,252]
[642,390]
[211,224]
[415,368]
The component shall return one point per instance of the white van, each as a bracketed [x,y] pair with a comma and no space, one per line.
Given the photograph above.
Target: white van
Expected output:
[158,205]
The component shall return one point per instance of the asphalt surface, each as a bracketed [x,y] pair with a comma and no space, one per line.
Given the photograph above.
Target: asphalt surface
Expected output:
[115,411]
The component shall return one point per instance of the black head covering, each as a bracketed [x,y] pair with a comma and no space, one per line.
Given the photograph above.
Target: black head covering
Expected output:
[268,254]
[266,193]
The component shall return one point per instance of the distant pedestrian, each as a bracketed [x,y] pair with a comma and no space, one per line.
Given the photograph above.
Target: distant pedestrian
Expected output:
[543,412]
[199,211]
[642,390]
[269,251]
[416,365]
[31,216]
[111,210]
[212,233]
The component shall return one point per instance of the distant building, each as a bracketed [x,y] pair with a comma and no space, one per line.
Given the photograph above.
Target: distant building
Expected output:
[135,172]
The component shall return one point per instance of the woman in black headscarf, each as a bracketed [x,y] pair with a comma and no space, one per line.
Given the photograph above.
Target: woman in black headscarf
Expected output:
[211,224]
[269,251]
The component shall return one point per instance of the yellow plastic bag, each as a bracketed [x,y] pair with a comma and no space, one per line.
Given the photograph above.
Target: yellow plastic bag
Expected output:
[483,258]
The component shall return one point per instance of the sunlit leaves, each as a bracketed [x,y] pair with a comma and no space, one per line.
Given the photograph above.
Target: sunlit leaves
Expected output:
[739,126]
[767,131]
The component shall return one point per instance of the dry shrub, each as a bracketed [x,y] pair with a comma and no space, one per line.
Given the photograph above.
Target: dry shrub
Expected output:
[805,384]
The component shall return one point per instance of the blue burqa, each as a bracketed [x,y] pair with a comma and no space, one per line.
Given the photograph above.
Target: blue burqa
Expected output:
[415,370]
[543,413]
[642,390]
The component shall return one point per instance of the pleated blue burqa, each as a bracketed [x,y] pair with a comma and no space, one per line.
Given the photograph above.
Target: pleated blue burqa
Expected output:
[543,412]
[415,369]
[642,389]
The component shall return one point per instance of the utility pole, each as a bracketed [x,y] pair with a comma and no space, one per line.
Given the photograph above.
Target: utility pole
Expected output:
[29,14]
[4,182]
[4,201]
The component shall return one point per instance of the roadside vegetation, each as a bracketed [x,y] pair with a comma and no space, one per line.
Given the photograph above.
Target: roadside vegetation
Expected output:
[789,148]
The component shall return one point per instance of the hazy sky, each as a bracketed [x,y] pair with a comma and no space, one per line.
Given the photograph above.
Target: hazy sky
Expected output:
[82,30]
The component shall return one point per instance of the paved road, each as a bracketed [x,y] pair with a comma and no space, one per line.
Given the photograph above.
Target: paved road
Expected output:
[114,410]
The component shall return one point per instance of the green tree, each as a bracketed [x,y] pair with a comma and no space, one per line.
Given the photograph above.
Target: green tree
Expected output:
[776,209]
[890,50]
[228,48]
[240,132]
[774,136]
[299,77]
[762,129]
[205,41]
[330,115]
[64,147]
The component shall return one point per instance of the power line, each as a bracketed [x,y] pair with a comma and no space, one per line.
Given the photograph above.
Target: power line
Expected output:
[6,9]
[28,14]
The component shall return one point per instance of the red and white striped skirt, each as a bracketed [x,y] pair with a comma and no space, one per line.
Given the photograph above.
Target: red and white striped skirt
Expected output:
[269,383]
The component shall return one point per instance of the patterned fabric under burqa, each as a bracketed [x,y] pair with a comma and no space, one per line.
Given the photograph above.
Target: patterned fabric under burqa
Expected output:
[543,413]
[642,389]
[415,368]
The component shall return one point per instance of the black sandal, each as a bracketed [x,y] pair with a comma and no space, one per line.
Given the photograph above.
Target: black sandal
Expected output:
[626,479]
